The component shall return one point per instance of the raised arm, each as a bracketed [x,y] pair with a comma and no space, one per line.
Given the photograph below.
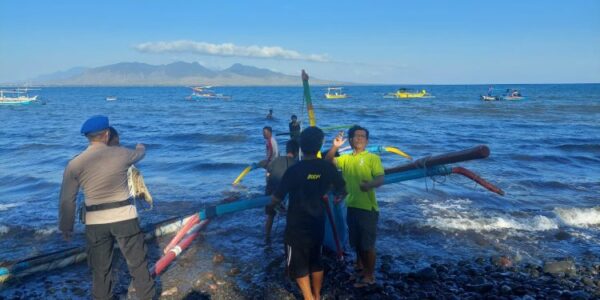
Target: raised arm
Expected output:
[337,143]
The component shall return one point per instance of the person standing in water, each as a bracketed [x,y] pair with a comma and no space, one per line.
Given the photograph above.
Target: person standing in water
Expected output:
[272,150]
[294,129]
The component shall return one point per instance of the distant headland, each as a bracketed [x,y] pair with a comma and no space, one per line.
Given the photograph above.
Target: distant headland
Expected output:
[174,74]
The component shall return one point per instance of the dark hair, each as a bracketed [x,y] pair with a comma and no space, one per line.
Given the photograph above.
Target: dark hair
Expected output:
[354,128]
[268,128]
[311,140]
[294,117]
[292,147]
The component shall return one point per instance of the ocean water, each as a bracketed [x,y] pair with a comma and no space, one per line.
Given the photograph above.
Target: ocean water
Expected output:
[545,154]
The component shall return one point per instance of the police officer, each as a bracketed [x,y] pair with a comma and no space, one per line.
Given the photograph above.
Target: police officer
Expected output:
[101,171]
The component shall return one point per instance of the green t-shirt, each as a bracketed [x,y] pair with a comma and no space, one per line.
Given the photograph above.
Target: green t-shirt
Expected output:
[356,168]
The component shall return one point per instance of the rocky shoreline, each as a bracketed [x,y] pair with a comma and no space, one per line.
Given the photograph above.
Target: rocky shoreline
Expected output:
[205,273]
[492,278]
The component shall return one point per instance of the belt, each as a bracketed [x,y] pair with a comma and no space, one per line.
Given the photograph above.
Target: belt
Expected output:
[105,206]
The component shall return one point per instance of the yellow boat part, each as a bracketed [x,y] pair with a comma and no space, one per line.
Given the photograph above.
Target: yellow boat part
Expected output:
[404,94]
[243,174]
[336,96]
[397,151]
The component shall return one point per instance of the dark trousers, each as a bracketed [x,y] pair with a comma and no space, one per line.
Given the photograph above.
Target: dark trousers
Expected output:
[100,243]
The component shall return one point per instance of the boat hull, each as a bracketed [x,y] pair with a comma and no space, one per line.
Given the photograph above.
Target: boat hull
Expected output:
[490,98]
[513,98]
[329,96]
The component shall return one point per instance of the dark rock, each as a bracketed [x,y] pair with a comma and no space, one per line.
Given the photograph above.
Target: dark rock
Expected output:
[520,290]
[441,268]
[580,295]
[426,274]
[480,260]
[562,235]
[505,290]
[78,291]
[480,288]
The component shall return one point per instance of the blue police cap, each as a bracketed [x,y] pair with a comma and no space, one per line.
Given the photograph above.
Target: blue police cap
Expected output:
[94,124]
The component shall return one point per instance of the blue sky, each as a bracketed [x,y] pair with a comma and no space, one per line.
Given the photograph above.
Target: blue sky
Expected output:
[435,42]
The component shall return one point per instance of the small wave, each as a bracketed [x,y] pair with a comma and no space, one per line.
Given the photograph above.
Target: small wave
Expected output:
[458,215]
[537,223]
[8,206]
[3,229]
[207,138]
[579,217]
[46,231]
[592,148]
[541,158]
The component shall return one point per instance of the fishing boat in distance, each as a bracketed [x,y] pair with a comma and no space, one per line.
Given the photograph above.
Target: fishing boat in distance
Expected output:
[513,94]
[408,94]
[335,93]
[21,96]
[111,98]
[204,92]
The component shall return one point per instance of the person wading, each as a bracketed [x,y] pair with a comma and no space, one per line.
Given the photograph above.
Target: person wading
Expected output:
[101,171]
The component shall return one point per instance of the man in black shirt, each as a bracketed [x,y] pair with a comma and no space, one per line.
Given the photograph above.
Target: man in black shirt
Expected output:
[307,182]
[295,129]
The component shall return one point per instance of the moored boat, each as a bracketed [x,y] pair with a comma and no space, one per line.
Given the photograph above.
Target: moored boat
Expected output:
[513,94]
[21,97]
[489,98]
[335,93]
[204,92]
[408,94]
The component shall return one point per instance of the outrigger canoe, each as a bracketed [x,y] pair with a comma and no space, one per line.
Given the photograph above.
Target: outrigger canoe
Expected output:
[424,167]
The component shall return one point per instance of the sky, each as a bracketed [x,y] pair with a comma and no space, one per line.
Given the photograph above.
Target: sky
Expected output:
[386,42]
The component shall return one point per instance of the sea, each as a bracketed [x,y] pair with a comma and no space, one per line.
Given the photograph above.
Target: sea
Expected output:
[545,155]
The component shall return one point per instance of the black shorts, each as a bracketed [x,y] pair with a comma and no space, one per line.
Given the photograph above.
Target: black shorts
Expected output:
[362,228]
[301,261]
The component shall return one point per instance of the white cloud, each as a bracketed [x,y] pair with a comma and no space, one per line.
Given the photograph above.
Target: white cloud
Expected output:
[227,49]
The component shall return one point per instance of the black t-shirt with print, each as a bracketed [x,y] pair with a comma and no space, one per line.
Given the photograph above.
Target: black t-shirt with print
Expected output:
[307,182]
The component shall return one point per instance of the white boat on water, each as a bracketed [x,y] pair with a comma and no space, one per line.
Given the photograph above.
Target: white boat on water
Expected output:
[204,92]
[16,96]
[111,98]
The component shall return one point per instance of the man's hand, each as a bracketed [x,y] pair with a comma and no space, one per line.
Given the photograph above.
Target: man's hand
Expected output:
[365,186]
[339,140]
[67,235]
[140,147]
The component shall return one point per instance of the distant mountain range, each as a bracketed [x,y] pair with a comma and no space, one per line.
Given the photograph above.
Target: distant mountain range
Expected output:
[174,74]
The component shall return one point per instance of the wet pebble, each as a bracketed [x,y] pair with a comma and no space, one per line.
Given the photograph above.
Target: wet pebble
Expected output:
[169,292]
[233,271]
[218,258]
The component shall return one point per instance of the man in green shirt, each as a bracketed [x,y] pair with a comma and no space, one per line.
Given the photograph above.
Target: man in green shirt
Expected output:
[363,172]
